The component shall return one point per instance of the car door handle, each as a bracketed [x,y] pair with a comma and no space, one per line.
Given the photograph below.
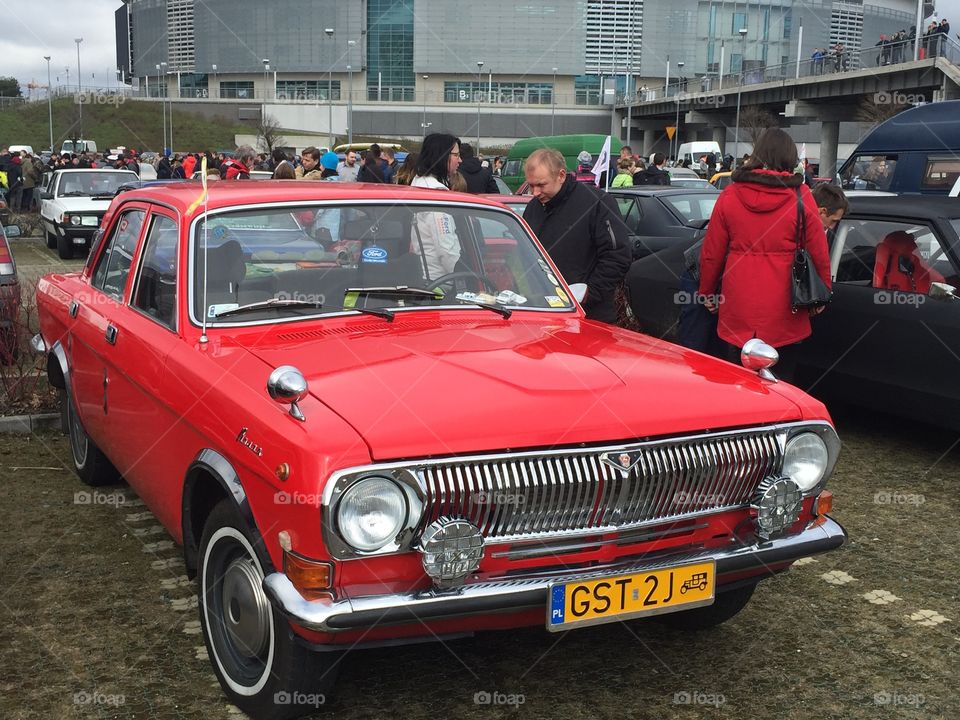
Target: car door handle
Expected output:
[111,334]
[74,308]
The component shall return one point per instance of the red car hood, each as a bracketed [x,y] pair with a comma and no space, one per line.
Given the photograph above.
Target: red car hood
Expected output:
[436,386]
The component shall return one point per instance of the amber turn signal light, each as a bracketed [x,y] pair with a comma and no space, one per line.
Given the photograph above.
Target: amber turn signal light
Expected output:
[821,506]
[313,578]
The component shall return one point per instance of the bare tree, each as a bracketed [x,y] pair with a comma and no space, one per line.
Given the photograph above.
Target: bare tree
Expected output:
[268,132]
[876,108]
[755,120]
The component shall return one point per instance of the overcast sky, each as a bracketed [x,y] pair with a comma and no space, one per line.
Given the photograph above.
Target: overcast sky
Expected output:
[34,28]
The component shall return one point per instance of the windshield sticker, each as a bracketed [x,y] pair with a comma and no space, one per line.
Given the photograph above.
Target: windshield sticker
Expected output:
[509,297]
[373,254]
[553,301]
[215,310]
[350,299]
[561,294]
[552,278]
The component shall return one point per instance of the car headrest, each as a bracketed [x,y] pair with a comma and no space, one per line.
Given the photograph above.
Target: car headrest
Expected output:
[227,266]
[900,241]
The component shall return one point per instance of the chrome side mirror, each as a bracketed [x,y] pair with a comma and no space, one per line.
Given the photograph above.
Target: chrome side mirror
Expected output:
[757,355]
[579,291]
[288,386]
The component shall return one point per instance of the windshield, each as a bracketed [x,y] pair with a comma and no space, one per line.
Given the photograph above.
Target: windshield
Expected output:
[868,172]
[693,207]
[315,260]
[94,182]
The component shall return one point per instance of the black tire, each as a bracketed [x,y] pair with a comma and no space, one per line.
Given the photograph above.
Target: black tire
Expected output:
[726,605]
[65,247]
[89,462]
[51,240]
[261,667]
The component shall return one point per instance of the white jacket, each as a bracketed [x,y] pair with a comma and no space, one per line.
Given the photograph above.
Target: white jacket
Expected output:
[438,234]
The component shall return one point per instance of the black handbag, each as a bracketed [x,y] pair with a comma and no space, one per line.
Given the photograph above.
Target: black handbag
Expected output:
[807,287]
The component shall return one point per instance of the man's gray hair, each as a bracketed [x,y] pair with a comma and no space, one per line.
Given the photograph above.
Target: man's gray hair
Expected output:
[245,152]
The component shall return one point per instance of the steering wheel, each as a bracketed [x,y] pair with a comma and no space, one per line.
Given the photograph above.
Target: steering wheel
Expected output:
[452,278]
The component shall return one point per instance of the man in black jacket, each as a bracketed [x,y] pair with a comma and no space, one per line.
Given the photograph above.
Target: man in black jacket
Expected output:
[655,174]
[581,229]
[479,178]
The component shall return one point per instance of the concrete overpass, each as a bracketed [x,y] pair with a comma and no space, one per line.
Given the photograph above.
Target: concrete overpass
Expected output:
[830,99]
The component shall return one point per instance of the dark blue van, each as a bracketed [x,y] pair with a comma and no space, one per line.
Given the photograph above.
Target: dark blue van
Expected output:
[914,152]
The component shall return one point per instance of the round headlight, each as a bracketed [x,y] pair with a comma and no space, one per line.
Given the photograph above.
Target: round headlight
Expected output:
[371,513]
[75,219]
[805,460]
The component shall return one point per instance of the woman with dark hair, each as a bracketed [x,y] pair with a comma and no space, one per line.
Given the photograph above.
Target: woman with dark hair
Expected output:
[434,235]
[439,157]
[408,170]
[746,262]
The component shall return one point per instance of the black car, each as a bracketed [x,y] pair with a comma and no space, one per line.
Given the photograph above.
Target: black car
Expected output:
[657,217]
[890,339]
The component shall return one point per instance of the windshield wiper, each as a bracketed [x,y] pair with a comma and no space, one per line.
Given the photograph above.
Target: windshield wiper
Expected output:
[396,291]
[498,309]
[75,193]
[277,302]
[271,303]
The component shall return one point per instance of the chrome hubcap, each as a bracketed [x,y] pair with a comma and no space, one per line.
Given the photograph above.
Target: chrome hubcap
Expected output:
[246,611]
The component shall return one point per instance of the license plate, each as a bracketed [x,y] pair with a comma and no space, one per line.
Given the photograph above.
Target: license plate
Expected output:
[622,597]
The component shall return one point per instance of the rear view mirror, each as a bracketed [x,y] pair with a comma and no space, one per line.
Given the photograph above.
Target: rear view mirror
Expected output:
[44,195]
[11,231]
[943,291]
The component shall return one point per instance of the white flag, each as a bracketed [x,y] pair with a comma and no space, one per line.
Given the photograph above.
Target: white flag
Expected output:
[603,162]
[803,153]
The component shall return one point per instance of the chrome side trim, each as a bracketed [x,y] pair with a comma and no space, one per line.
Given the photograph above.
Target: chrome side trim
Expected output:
[520,593]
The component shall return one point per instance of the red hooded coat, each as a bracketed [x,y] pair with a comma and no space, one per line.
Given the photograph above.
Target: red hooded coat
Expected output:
[748,252]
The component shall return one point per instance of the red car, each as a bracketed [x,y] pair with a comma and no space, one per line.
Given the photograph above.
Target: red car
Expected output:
[9,298]
[366,426]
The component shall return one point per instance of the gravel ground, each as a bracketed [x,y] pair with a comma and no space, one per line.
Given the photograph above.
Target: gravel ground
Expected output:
[97,619]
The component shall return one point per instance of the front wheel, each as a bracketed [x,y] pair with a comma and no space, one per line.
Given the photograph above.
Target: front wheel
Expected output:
[261,667]
[725,606]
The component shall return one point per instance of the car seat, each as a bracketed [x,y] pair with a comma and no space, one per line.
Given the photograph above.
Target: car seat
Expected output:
[899,266]
[227,270]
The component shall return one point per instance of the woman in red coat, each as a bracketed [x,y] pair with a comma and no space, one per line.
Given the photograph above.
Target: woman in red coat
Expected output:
[747,257]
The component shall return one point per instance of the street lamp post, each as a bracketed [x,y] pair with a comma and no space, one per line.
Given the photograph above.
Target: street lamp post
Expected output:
[423,122]
[163,90]
[171,114]
[266,68]
[479,85]
[79,86]
[216,87]
[329,33]
[350,44]
[553,97]
[736,130]
[49,100]
[676,132]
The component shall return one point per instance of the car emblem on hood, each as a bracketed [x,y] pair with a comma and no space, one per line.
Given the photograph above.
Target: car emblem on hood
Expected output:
[622,461]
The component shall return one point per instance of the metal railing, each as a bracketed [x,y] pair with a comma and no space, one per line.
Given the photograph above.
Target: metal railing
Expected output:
[831,64]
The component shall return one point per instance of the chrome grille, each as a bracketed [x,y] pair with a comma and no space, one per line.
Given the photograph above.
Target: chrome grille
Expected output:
[557,492]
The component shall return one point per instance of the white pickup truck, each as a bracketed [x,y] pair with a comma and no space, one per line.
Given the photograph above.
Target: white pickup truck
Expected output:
[73,203]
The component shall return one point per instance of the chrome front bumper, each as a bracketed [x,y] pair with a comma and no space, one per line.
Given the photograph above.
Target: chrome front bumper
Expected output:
[516,594]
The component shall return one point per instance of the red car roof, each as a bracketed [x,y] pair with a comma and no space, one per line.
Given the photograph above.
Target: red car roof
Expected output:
[227,193]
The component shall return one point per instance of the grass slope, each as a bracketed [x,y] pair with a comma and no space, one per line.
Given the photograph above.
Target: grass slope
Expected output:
[131,123]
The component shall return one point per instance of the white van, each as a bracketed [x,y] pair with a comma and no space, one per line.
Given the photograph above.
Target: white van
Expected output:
[81,146]
[693,151]
[14,149]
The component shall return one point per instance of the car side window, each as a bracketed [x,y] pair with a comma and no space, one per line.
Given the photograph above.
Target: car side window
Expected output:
[898,256]
[631,212]
[113,267]
[155,291]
